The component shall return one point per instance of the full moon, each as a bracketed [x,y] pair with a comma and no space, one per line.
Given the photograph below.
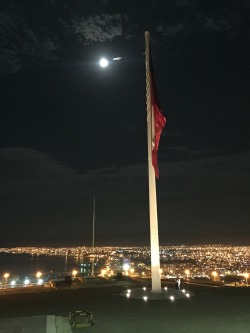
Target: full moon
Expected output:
[103,62]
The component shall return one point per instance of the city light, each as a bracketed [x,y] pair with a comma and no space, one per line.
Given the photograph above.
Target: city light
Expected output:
[38,275]
[6,275]
[26,281]
[206,262]
[187,272]
[126,267]
[215,275]
[74,272]
[246,275]
[40,281]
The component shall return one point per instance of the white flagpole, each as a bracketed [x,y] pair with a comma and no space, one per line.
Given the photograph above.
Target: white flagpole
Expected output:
[93,240]
[154,238]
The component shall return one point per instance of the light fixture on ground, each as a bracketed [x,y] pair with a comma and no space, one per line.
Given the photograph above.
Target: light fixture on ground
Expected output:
[166,294]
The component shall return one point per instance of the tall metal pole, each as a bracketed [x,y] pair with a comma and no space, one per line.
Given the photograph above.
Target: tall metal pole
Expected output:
[154,238]
[93,240]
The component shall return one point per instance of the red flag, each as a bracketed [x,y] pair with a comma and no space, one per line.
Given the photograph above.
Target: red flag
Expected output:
[158,121]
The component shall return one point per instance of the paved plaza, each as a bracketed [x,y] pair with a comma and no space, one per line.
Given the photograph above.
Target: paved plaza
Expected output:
[209,309]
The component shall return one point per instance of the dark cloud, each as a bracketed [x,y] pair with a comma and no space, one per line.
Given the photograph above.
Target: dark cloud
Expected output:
[98,28]
[171,30]
[217,24]
[20,44]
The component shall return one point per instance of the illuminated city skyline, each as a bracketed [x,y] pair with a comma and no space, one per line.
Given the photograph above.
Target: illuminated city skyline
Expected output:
[199,260]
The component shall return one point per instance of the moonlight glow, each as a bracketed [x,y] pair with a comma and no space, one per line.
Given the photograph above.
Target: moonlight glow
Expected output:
[103,62]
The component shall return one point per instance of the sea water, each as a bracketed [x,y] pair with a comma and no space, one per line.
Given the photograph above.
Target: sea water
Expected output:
[27,264]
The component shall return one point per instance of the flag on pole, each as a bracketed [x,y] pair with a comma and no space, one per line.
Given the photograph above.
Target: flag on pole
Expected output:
[158,120]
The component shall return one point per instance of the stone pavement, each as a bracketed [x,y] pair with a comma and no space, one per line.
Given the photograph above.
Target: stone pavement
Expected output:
[36,324]
[117,310]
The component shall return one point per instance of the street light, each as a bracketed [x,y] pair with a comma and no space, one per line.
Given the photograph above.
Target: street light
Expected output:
[215,274]
[38,276]
[74,272]
[126,268]
[26,281]
[246,275]
[6,275]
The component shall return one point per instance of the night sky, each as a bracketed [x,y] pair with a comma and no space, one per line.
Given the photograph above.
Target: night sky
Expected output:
[70,130]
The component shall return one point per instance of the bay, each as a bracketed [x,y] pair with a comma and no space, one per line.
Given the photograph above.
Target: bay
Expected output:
[27,264]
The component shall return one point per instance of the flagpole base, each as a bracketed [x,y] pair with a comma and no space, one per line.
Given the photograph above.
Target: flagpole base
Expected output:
[166,294]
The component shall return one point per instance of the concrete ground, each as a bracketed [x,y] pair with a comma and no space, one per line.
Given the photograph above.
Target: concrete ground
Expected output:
[35,324]
[210,309]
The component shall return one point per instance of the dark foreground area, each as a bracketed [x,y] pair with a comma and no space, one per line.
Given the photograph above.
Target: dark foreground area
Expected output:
[211,309]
